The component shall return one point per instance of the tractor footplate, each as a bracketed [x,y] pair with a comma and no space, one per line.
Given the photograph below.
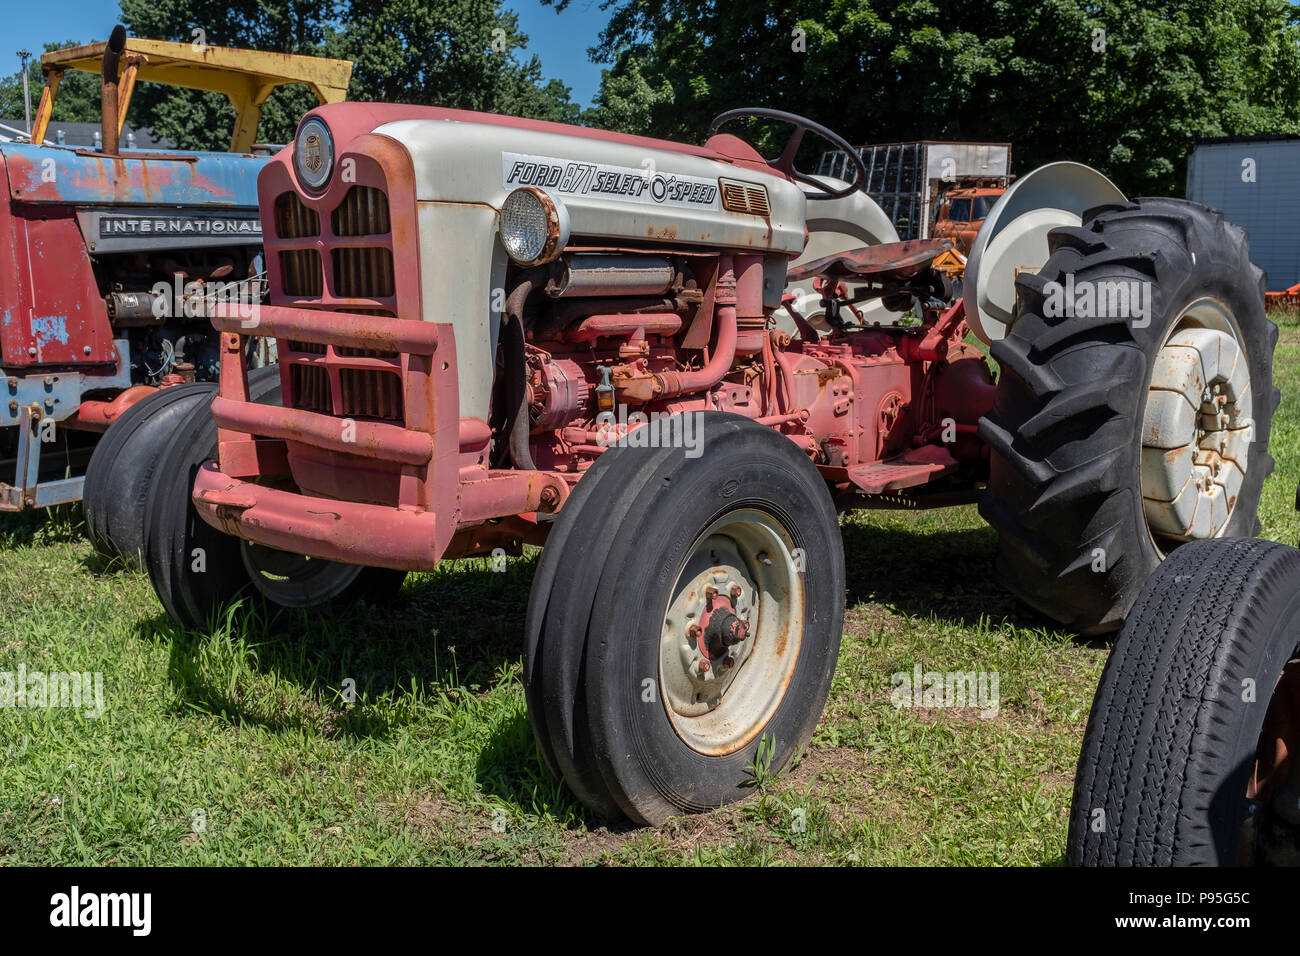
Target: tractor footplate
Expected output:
[916,467]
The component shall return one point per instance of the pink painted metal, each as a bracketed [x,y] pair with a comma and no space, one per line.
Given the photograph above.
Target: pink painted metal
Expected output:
[370,462]
[96,416]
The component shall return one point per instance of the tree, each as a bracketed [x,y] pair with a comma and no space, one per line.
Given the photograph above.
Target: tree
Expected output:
[457,53]
[447,52]
[1122,84]
[78,99]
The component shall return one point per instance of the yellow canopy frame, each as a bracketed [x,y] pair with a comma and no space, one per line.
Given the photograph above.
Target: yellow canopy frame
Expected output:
[246,77]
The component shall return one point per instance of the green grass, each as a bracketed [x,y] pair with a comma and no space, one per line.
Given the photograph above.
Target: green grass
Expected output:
[252,732]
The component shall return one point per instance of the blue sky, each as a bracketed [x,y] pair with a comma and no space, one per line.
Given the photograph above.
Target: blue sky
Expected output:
[560,40]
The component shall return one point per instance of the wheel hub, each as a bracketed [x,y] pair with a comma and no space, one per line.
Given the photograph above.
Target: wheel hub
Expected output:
[296,580]
[1197,428]
[731,633]
[719,610]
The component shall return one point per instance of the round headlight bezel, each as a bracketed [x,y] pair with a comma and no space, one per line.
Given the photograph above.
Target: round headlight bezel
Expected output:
[557,226]
[322,150]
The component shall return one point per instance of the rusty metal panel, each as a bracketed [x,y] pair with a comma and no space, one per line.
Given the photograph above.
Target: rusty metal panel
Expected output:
[51,312]
[52,174]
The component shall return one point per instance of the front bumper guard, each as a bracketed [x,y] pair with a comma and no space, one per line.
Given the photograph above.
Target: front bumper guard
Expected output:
[445,484]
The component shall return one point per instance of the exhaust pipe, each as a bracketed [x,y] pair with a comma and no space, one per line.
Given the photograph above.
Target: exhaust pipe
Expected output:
[600,274]
[108,92]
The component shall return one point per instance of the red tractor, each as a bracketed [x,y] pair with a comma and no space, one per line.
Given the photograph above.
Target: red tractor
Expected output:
[496,331]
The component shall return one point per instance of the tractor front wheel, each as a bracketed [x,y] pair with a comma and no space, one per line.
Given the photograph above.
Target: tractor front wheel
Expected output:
[196,569]
[693,621]
[121,470]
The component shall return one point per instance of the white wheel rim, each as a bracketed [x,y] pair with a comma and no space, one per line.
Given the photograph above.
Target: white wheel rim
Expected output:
[718,700]
[1196,428]
[296,580]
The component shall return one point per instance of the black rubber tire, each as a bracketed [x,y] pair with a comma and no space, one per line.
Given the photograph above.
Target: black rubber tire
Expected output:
[192,592]
[646,767]
[556,556]
[1172,736]
[120,472]
[557,687]
[1065,430]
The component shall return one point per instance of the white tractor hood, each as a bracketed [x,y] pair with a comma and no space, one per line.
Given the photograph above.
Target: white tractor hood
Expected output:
[613,190]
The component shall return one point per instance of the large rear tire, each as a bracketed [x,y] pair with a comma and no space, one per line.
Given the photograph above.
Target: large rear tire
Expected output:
[1118,434]
[1192,752]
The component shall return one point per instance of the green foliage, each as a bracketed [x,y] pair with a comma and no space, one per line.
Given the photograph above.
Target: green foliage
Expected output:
[78,99]
[446,53]
[1128,100]
[452,53]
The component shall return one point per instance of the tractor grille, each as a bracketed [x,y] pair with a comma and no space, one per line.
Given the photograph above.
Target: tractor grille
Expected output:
[744,197]
[311,388]
[359,271]
[362,392]
[363,273]
[357,236]
[293,220]
[363,212]
[370,393]
[301,273]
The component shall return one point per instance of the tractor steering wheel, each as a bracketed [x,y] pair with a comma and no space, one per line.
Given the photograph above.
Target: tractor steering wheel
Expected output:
[785,162]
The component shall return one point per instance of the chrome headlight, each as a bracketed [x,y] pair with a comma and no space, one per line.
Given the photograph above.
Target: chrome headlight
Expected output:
[534,226]
[313,153]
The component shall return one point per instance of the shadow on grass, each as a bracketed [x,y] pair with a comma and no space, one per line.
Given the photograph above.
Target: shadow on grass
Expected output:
[449,636]
[946,573]
[511,767]
[41,526]
[451,633]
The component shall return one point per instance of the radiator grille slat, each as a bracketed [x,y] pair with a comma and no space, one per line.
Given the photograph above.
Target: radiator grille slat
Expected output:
[358,272]
[311,388]
[293,219]
[363,212]
[301,272]
[363,272]
[370,393]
